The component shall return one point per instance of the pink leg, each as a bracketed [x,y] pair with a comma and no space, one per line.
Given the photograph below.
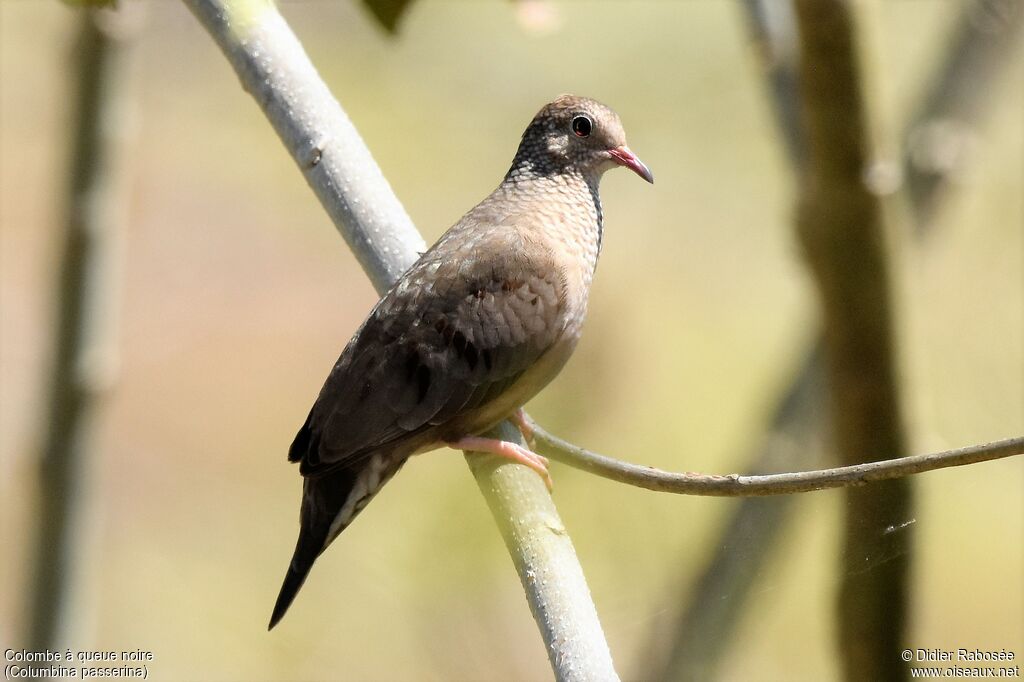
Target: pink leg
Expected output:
[517,453]
[519,419]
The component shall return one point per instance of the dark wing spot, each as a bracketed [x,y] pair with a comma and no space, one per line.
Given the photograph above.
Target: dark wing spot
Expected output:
[422,382]
[488,360]
[471,355]
[412,363]
[464,348]
[446,330]
[364,392]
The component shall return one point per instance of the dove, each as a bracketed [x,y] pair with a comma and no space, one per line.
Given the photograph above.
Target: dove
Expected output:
[476,327]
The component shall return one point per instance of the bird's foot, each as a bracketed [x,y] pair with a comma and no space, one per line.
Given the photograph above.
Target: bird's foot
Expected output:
[525,427]
[512,451]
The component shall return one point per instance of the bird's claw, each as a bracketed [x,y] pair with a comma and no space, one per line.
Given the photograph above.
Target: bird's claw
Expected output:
[525,427]
[512,451]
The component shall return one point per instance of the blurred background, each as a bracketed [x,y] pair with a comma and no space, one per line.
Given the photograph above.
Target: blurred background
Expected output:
[238,294]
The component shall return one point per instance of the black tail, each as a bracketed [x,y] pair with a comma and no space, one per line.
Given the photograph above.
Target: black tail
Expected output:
[306,551]
[323,498]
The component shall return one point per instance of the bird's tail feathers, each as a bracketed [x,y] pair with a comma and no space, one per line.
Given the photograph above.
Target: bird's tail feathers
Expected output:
[329,503]
[307,549]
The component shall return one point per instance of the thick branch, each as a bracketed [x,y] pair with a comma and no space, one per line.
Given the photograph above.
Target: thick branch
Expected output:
[85,355]
[840,227]
[772,28]
[737,485]
[546,561]
[274,68]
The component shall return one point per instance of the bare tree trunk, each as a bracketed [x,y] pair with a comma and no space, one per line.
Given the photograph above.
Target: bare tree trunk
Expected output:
[84,365]
[840,227]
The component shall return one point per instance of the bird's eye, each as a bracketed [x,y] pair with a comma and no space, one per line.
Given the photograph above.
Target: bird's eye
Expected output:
[581,125]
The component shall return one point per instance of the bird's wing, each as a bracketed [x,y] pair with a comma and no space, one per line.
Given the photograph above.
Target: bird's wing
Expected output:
[456,330]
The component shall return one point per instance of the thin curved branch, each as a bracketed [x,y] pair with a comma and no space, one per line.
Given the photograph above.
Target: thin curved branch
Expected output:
[736,485]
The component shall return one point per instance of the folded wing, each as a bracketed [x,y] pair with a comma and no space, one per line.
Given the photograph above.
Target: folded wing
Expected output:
[456,331]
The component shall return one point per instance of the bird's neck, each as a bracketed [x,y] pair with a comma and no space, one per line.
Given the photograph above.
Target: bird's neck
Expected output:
[567,205]
[574,192]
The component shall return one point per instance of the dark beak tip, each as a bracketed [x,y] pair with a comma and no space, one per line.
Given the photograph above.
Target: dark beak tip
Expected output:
[626,158]
[642,170]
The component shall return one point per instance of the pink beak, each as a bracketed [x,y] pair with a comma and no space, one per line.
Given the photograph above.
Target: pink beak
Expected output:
[624,157]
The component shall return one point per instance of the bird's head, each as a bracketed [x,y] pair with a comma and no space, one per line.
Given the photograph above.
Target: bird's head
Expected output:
[576,134]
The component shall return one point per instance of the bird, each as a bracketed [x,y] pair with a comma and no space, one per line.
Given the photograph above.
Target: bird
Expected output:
[477,326]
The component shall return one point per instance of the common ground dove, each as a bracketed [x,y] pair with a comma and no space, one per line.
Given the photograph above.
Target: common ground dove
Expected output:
[474,329]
